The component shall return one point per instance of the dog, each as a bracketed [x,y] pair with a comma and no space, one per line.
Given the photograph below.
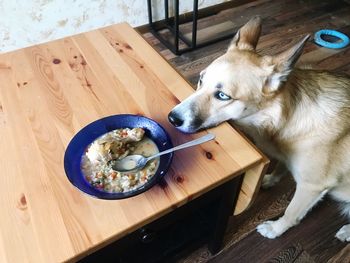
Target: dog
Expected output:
[300,117]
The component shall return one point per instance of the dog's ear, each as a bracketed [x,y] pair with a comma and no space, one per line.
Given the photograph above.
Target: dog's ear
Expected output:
[247,36]
[282,64]
[201,74]
[287,59]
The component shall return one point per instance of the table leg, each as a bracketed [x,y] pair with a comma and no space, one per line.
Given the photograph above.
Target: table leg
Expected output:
[250,187]
[150,16]
[227,202]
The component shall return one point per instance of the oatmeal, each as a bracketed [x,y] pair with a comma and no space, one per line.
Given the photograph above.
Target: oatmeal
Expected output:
[97,163]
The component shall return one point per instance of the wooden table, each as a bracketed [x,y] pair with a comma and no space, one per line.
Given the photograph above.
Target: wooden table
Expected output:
[47,94]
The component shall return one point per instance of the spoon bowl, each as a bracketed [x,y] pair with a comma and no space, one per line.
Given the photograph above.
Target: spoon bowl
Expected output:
[137,162]
[130,163]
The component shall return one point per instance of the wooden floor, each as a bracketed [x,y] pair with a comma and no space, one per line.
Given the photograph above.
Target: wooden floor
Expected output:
[284,22]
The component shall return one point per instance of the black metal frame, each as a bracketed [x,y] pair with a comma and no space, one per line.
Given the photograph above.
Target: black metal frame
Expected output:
[172,24]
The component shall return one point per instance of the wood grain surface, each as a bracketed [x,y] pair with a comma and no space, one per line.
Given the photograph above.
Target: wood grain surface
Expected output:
[48,93]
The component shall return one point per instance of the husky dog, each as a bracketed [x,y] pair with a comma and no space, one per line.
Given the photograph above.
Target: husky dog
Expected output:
[300,117]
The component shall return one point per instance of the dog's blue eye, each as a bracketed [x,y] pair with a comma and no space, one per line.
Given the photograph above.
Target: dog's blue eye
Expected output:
[222,96]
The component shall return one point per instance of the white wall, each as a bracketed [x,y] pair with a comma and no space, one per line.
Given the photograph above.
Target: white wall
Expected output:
[28,22]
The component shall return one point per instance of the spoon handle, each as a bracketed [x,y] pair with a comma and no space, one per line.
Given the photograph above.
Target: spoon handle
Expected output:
[200,140]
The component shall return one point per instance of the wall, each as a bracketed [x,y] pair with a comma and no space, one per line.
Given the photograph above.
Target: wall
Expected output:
[28,22]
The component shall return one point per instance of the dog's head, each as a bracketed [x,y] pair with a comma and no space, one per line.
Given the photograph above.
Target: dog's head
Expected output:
[237,84]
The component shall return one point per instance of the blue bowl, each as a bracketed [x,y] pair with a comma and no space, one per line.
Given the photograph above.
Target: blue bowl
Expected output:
[77,146]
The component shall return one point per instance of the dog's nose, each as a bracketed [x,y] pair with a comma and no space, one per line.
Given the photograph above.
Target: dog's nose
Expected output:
[175,120]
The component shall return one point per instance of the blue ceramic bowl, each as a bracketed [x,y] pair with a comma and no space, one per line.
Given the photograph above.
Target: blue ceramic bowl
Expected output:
[88,134]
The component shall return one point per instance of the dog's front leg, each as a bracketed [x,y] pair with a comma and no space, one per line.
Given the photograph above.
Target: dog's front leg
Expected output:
[304,199]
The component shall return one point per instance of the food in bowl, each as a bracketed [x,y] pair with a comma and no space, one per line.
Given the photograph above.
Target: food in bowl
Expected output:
[97,162]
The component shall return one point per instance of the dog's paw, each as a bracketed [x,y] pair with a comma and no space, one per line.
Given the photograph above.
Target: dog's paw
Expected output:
[270,229]
[344,233]
[269,180]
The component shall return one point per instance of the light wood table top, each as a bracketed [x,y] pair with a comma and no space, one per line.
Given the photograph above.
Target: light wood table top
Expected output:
[48,93]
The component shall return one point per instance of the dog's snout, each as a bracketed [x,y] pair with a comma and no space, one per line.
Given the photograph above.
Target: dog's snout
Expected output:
[175,119]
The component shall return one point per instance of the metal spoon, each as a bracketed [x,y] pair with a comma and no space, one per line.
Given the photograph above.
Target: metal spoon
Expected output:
[137,162]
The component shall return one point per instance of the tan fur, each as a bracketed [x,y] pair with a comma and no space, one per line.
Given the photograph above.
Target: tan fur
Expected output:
[299,116]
